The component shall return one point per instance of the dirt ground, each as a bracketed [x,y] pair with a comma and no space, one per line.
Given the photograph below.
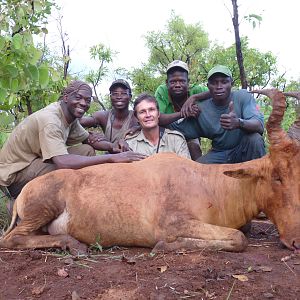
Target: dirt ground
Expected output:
[264,271]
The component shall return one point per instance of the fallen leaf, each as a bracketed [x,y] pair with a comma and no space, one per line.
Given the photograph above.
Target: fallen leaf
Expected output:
[265,269]
[38,290]
[240,277]
[62,273]
[162,268]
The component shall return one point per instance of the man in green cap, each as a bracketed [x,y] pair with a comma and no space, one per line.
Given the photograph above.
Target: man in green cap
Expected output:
[230,119]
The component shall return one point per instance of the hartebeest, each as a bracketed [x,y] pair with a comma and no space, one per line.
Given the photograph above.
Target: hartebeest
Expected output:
[164,201]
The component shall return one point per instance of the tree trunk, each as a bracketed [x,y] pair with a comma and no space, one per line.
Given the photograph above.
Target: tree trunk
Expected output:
[238,46]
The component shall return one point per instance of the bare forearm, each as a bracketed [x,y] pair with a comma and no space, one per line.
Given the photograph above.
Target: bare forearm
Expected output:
[201,96]
[251,126]
[73,161]
[88,122]
[166,119]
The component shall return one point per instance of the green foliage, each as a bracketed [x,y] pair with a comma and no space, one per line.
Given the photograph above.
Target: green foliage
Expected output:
[144,80]
[27,80]
[102,56]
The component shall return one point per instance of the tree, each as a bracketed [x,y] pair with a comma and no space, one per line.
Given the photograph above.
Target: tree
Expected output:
[238,45]
[26,78]
[102,55]
[187,42]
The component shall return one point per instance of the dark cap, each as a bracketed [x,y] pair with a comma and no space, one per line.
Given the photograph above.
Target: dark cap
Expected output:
[219,69]
[121,82]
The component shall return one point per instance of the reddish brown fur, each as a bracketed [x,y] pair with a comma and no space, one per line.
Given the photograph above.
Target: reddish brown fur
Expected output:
[165,202]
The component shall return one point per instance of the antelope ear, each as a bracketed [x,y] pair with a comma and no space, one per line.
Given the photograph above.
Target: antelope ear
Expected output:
[245,173]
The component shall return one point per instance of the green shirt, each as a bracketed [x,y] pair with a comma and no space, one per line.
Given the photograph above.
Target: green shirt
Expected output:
[208,122]
[165,103]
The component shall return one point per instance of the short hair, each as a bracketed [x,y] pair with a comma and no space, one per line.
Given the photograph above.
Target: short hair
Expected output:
[142,97]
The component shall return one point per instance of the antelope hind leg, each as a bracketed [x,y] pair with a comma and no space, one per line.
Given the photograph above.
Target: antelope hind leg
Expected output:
[64,242]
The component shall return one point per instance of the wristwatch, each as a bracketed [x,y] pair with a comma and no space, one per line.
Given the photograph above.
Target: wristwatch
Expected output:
[241,123]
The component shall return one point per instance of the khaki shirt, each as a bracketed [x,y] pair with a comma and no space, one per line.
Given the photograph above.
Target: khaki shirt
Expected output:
[44,134]
[171,141]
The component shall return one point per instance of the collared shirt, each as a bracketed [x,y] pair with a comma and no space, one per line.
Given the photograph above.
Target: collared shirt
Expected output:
[171,141]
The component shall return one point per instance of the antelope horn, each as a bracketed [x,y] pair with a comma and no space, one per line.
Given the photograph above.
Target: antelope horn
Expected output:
[294,130]
[277,136]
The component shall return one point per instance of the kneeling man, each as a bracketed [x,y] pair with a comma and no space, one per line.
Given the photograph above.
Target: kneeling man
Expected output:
[151,138]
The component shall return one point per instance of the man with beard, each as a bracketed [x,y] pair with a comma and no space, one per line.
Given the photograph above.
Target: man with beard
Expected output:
[230,119]
[172,95]
[52,138]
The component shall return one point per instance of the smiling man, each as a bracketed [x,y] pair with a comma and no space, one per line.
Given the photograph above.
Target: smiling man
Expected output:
[229,118]
[115,122]
[151,138]
[52,138]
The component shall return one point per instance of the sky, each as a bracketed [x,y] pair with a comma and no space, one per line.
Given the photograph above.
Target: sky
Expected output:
[121,26]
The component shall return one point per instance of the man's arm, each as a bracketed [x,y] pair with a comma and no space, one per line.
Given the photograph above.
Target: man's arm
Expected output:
[188,107]
[73,161]
[252,120]
[99,118]
[166,119]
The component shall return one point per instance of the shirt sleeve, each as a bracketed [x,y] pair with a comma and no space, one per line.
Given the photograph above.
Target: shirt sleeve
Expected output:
[52,141]
[197,89]
[162,98]
[77,134]
[188,127]
[181,147]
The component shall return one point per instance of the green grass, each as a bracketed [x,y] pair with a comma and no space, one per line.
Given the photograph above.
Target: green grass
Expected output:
[4,216]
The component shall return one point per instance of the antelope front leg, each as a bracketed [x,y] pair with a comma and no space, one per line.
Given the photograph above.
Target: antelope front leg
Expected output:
[197,235]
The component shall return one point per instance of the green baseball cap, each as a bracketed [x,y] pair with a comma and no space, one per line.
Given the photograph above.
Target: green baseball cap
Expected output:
[219,69]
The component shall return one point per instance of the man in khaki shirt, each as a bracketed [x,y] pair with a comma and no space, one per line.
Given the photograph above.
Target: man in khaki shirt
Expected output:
[153,139]
[48,140]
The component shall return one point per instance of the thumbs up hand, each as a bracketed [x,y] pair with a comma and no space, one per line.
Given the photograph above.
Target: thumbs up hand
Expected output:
[229,121]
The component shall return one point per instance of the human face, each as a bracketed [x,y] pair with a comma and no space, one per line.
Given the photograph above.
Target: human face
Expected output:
[220,88]
[147,114]
[177,84]
[78,103]
[120,97]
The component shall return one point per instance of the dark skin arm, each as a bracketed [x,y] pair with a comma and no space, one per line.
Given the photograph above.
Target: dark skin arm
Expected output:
[166,119]
[189,107]
[99,118]
[73,161]
[230,121]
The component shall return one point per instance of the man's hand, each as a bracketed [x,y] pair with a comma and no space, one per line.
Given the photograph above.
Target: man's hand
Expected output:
[126,157]
[123,146]
[230,121]
[96,137]
[190,108]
